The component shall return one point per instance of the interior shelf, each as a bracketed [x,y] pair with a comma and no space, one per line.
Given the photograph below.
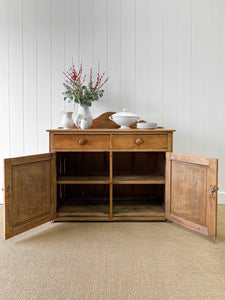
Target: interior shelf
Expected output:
[95,179]
[89,207]
[139,167]
[83,200]
[139,179]
[119,179]
[138,200]
[138,207]
[85,188]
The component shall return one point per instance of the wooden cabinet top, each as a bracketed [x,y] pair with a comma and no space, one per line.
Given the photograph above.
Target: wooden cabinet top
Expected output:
[104,135]
[110,140]
[110,131]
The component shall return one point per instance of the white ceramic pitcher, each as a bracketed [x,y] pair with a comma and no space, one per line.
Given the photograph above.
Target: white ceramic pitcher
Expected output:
[67,120]
[84,114]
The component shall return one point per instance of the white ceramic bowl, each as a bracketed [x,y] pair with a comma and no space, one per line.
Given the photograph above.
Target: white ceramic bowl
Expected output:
[124,119]
[146,125]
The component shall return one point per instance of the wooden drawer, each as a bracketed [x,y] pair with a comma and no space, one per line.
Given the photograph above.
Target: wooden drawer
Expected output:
[152,142]
[81,141]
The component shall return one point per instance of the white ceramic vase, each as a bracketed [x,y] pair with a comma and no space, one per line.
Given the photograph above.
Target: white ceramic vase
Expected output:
[83,119]
[67,120]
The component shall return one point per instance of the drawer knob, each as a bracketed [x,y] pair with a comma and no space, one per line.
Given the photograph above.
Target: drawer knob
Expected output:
[139,141]
[82,141]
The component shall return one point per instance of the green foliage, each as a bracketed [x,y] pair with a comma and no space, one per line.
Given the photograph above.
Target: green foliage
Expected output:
[83,95]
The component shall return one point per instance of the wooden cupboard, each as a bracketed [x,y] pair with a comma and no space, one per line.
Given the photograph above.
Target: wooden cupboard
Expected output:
[110,175]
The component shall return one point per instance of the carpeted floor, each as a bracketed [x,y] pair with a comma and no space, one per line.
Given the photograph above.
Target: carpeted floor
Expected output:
[105,261]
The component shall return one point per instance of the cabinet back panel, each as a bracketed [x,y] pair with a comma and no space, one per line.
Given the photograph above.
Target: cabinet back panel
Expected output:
[139,190]
[82,163]
[138,201]
[138,163]
[70,191]
[83,200]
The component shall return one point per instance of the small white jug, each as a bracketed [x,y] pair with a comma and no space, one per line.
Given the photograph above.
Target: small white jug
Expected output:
[67,120]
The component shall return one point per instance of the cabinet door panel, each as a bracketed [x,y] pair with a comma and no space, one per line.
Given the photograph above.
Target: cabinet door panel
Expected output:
[191,192]
[29,192]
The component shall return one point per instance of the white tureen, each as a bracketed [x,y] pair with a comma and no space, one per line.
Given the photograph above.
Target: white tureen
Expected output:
[124,119]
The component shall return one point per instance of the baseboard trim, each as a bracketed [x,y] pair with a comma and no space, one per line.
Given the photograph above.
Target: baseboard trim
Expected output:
[221,197]
[1,197]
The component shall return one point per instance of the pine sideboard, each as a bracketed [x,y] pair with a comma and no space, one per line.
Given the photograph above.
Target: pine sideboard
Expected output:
[107,174]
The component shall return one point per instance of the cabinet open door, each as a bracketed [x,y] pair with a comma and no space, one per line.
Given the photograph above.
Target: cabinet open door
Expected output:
[30,192]
[191,192]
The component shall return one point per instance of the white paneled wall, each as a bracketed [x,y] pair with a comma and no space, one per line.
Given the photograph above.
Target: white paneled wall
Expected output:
[165,59]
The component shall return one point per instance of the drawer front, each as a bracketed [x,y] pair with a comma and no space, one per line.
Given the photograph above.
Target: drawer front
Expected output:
[142,142]
[81,141]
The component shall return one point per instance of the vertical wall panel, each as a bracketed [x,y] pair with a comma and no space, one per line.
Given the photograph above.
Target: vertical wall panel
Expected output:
[86,36]
[220,146]
[114,54]
[156,61]
[4,90]
[142,58]
[72,29]
[44,105]
[170,64]
[100,49]
[16,80]
[72,36]
[128,53]
[57,58]
[30,75]
[4,85]
[184,42]
[198,78]
[212,78]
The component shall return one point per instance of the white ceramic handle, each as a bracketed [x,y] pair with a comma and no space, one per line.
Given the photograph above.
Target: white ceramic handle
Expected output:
[78,122]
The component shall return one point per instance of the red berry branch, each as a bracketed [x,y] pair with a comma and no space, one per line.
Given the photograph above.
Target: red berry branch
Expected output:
[80,92]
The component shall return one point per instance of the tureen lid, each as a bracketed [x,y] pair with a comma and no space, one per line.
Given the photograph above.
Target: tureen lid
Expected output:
[124,113]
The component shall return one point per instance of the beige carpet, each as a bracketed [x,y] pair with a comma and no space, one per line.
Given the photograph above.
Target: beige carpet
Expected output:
[113,261]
